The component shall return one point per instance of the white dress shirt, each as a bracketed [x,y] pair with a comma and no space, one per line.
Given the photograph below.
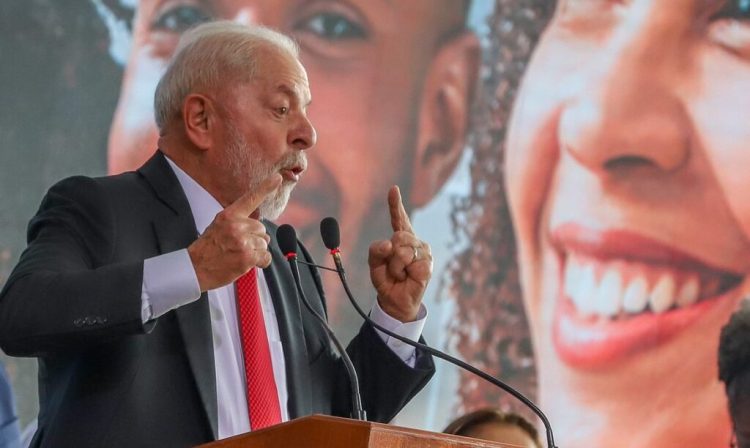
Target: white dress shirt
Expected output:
[169,281]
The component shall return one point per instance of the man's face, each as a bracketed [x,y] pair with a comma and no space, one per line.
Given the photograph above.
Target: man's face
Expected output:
[366,59]
[263,129]
[627,176]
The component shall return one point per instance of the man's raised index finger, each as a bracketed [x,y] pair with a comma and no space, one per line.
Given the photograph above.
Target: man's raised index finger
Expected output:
[248,202]
[399,218]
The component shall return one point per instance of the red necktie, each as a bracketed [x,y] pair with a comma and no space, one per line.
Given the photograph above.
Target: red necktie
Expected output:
[262,395]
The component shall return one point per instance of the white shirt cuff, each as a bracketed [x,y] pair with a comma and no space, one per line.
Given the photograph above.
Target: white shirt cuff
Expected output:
[410,330]
[169,281]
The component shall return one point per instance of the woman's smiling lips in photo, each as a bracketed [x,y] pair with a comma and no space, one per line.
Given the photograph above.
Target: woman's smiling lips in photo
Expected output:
[621,293]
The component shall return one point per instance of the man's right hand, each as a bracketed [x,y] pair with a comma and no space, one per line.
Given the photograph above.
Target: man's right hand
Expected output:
[235,242]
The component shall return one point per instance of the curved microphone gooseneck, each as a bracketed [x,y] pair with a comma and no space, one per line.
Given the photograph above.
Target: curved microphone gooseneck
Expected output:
[287,239]
[329,231]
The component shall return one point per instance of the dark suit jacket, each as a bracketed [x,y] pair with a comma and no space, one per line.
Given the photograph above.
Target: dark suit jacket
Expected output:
[105,378]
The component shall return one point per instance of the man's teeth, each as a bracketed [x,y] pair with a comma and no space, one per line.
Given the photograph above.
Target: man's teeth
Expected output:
[608,293]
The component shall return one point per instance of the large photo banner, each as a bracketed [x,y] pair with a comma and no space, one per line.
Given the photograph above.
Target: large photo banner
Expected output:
[576,166]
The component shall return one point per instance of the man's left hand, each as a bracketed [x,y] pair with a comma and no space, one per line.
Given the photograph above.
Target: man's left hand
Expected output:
[401,267]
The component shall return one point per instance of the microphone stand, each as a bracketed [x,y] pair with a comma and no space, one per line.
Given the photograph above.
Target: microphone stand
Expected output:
[358,411]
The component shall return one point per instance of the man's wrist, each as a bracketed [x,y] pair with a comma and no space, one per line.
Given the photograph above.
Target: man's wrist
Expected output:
[399,313]
[410,330]
[169,281]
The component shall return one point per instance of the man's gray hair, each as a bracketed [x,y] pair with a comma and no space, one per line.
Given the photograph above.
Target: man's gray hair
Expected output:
[208,56]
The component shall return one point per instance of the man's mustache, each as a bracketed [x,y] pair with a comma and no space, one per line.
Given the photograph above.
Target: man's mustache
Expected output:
[294,160]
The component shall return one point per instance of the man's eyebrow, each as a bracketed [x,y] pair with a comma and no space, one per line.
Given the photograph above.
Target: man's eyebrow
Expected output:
[285,89]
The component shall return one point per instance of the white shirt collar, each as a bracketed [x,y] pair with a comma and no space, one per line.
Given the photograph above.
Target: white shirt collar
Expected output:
[202,204]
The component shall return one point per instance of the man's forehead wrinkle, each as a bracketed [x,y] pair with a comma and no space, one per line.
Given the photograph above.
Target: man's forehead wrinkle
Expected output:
[298,91]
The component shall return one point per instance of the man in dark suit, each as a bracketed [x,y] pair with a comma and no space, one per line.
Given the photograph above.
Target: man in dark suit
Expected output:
[141,295]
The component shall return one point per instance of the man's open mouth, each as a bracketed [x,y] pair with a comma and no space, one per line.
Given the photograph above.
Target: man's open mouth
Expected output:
[292,173]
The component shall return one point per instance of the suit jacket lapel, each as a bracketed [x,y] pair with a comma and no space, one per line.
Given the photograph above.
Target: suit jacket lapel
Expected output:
[175,230]
[287,307]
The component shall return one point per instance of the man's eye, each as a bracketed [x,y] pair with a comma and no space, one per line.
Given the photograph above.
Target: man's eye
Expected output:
[181,18]
[734,9]
[333,26]
[283,110]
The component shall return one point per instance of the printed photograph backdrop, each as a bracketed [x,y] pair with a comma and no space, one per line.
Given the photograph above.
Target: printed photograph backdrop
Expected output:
[579,168]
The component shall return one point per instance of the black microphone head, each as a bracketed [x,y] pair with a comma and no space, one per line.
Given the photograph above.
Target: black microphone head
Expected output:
[329,230]
[287,238]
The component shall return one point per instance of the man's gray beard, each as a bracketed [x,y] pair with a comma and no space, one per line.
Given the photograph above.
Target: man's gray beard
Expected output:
[240,154]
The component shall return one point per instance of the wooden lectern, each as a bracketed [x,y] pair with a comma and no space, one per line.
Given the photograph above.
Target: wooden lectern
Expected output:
[320,431]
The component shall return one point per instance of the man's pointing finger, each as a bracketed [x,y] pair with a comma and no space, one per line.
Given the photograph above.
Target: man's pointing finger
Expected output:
[250,201]
[399,218]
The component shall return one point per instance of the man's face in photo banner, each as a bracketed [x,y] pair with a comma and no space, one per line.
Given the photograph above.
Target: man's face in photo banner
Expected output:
[392,83]
[627,173]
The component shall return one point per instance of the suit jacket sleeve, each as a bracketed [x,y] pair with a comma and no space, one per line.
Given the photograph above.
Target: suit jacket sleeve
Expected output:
[386,382]
[64,293]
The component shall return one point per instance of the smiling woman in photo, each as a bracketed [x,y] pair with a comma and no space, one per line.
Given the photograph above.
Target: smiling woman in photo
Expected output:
[625,169]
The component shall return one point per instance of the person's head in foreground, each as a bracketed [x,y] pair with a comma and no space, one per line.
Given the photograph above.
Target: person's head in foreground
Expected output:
[495,425]
[734,371]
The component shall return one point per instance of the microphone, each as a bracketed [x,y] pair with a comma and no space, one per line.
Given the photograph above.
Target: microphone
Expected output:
[329,231]
[287,239]
[331,235]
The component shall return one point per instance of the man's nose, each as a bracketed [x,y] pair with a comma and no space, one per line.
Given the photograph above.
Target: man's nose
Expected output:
[627,113]
[303,136]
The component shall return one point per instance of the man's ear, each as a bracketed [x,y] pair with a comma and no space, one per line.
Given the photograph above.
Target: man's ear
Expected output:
[444,115]
[199,120]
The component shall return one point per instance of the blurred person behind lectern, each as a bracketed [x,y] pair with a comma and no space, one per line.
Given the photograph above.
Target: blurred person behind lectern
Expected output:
[126,291]
[495,425]
[734,371]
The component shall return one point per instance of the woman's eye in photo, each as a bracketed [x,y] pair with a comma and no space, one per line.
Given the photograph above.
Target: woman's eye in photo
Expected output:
[180,18]
[333,26]
[730,27]
[734,9]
